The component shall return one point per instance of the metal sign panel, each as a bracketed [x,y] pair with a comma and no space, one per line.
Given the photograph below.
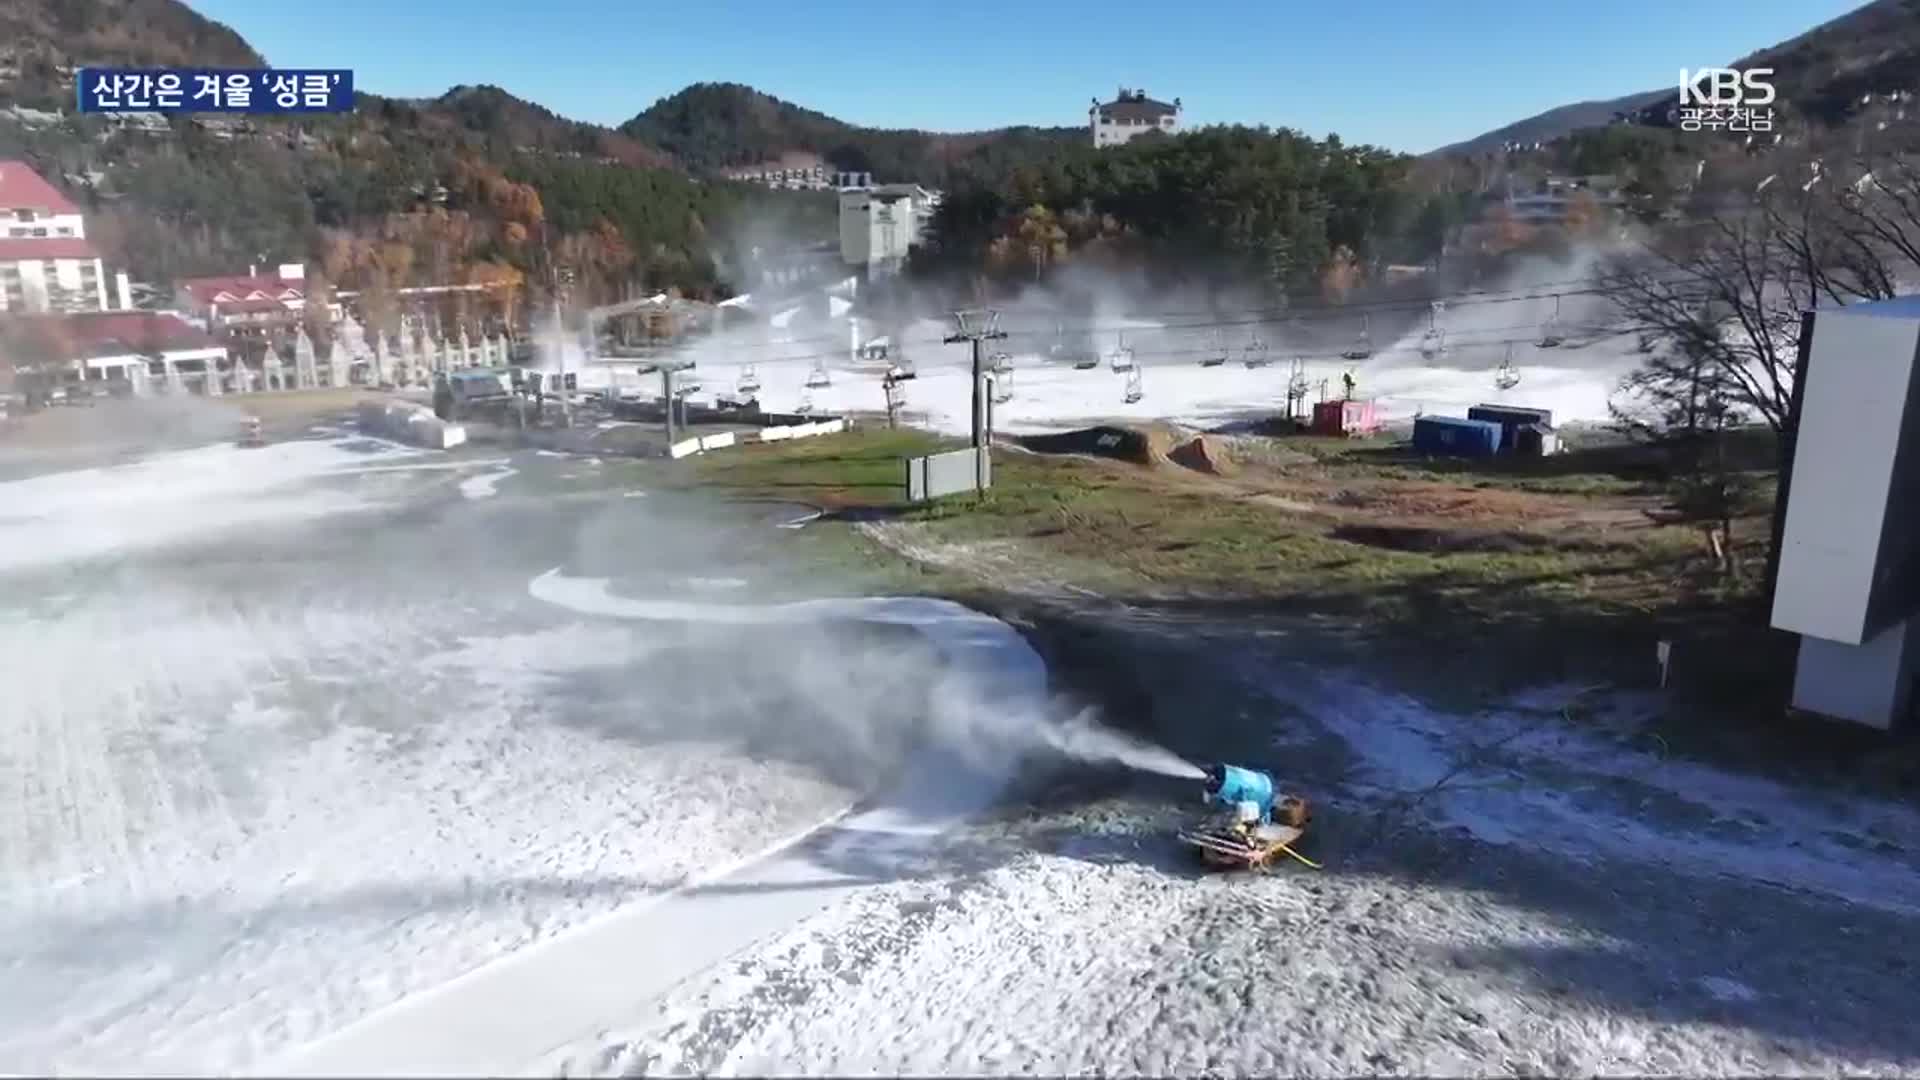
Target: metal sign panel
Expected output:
[1847,560]
[940,475]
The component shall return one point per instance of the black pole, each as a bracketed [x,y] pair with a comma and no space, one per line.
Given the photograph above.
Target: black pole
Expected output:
[666,391]
[1788,440]
[979,426]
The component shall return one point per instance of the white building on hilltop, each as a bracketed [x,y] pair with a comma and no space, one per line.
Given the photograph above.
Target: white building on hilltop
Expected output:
[1130,115]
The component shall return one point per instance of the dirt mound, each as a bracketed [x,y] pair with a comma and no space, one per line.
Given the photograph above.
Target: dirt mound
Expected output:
[1161,444]
[1154,444]
[1203,453]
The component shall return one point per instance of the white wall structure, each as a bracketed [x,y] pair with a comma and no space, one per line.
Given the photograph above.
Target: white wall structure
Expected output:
[1130,115]
[878,225]
[1849,572]
[411,424]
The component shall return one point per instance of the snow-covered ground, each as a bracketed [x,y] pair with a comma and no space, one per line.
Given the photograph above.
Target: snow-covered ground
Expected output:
[1566,903]
[1575,381]
[285,740]
[511,1014]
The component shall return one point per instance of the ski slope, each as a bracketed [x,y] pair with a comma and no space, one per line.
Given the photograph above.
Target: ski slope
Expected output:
[544,1000]
[287,742]
[1575,381]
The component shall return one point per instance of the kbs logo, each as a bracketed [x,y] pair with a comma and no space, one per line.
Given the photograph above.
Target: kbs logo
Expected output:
[1715,99]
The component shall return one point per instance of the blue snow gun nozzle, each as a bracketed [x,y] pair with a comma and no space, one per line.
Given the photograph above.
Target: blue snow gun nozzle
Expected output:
[1230,785]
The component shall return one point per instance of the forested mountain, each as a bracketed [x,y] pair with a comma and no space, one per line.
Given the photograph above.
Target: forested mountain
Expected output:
[1219,205]
[714,126]
[508,123]
[1820,77]
[475,183]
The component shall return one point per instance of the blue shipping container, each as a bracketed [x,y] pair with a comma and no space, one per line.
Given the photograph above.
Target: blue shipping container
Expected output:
[1450,435]
[1511,418]
[1511,414]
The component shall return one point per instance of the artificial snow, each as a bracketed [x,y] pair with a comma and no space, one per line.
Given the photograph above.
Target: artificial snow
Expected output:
[512,1014]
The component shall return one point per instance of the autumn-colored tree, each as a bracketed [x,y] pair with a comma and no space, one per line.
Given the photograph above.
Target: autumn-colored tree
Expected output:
[394,262]
[339,254]
[1584,214]
[378,305]
[1341,276]
[317,314]
[1041,237]
[504,286]
[1510,233]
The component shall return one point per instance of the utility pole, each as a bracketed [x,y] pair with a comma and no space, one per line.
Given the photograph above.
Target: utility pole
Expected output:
[977,326]
[666,398]
[564,279]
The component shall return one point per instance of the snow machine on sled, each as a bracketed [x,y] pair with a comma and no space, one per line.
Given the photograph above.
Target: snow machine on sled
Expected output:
[1251,825]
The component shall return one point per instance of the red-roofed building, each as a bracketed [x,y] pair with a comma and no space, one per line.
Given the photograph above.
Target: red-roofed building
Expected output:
[135,349]
[46,263]
[242,301]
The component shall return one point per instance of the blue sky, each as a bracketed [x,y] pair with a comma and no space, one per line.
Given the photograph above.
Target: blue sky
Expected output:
[1405,74]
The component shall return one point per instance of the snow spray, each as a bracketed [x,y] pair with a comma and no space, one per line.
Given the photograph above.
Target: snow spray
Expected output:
[1085,739]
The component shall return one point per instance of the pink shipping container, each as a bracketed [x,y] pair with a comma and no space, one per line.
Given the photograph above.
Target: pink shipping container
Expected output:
[1350,418]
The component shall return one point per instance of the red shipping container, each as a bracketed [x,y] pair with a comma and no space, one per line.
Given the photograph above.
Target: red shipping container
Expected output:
[1350,418]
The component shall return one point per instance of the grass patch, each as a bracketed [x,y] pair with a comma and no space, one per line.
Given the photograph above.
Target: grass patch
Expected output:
[863,468]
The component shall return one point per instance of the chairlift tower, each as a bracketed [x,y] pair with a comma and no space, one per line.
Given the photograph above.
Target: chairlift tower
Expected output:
[975,326]
[672,396]
[896,391]
[1297,387]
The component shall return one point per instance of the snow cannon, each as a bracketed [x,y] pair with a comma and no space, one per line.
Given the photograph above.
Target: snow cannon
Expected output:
[1231,786]
[1242,832]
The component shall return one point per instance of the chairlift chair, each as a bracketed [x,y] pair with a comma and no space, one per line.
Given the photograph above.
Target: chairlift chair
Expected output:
[1433,344]
[1002,363]
[749,383]
[1217,354]
[1003,386]
[1550,337]
[1363,346]
[1122,357]
[1255,354]
[806,403]
[1134,389]
[818,377]
[1508,376]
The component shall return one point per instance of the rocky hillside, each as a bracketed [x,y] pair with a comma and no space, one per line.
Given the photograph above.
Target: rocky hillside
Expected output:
[41,39]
